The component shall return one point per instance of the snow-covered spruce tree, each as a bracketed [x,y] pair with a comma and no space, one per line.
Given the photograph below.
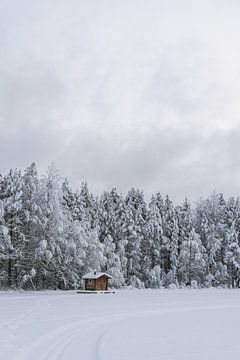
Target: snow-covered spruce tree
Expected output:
[191,259]
[33,222]
[11,193]
[169,253]
[211,224]
[227,228]
[74,252]
[233,258]
[69,200]
[230,251]
[52,251]
[112,263]
[224,221]
[153,236]
[111,221]
[111,215]
[5,245]
[83,210]
[134,230]
[79,225]
[70,246]
[86,207]
[94,253]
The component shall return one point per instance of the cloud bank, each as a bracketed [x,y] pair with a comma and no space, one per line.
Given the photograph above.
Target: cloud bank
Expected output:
[131,93]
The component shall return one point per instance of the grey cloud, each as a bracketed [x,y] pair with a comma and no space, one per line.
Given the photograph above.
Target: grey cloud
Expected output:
[105,162]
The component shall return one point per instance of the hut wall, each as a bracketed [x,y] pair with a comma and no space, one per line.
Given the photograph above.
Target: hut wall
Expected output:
[90,284]
[101,283]
[97,284]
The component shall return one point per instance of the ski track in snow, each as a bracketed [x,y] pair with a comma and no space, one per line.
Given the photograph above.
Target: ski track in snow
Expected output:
[91,328]
[54,345]
[9,329]
[56,342]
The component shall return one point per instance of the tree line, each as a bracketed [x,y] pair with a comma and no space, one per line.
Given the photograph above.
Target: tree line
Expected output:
[51,235]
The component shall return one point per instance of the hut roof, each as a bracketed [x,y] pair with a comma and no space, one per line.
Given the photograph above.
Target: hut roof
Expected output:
[96,275]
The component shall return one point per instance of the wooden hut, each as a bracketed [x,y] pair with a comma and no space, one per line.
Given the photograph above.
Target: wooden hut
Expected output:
[96,281]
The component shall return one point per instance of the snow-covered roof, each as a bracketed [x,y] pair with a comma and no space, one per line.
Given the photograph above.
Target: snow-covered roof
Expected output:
[96,275]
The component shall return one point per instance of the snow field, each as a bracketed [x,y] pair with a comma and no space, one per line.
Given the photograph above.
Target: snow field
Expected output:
[129,325]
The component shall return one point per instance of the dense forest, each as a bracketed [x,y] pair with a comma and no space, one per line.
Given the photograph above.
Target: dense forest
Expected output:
[51,235]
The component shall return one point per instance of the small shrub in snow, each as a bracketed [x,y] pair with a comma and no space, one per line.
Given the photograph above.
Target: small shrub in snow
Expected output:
[172,286]
[194,284]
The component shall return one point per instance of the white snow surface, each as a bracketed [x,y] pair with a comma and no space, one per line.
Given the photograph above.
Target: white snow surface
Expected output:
[128,325]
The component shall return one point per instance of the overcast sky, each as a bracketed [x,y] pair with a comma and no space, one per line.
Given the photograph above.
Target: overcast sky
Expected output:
[123,93]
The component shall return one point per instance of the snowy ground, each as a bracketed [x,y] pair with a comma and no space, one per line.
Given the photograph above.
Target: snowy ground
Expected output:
[129,325]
